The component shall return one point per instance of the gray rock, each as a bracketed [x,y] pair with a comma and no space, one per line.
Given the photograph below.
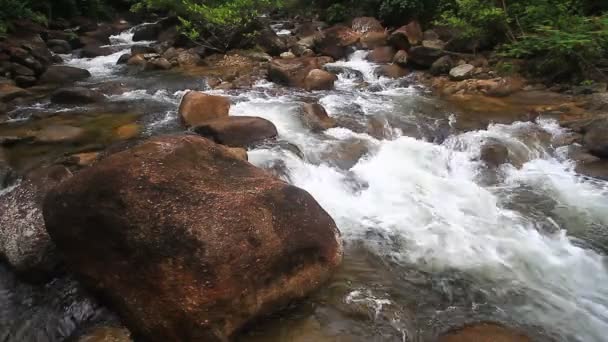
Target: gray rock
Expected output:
[462,72]
[24,242]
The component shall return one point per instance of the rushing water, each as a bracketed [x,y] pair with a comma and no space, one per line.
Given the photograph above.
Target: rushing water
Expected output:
[435,239]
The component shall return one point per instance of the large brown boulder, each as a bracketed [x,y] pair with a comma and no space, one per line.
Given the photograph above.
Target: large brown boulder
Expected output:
[24,242]
[336,41]
[318,79]
[196,108]
[238,131]
[406,36]
[61,74]
[372,40]
[292,72]
[187,242]
[382,54]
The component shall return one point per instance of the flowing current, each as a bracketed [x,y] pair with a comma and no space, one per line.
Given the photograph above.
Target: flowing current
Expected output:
[444,239]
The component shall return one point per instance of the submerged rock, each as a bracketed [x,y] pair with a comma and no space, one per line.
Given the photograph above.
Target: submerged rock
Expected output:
[196,108]
[238,131]
[189,243]
[316,117]
[54,134]
[484,332]
[494,154]
[24,242]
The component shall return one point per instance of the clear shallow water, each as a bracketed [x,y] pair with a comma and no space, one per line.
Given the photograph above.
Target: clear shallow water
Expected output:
[434,238]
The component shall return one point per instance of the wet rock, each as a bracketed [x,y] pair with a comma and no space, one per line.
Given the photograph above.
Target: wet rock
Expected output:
[158,64]
[366,24]
[188,58]
[597,168]
[24,58]
[171,53]
[293,72]
[7,175]
[61,74]
[318,79]
[494,154]
[146,32]
[336,41]
[400,58]
[442,66]
[316,117]
[484,332]
[55,134]
[24,242]
[270,42]
[142,50]
[137,60]
[76,95]
[393,71]
[382,54]
[92,51]
[346,154]
[406,36]
[196,108]
[20,70]
[10,92]
[128,131]
[595,134]
[221,235]
[372,40]
[238,131]
[124,58]
[59,46]
[25,81]
[348,72]
[462,72]
[425,56]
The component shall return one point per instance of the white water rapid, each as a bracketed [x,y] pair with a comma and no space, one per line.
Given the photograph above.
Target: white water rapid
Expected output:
[396,176]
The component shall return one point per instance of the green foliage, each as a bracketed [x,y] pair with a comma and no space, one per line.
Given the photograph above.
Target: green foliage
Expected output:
[336,13]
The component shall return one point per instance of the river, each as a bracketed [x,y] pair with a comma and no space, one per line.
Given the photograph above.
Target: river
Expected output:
[434,238]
